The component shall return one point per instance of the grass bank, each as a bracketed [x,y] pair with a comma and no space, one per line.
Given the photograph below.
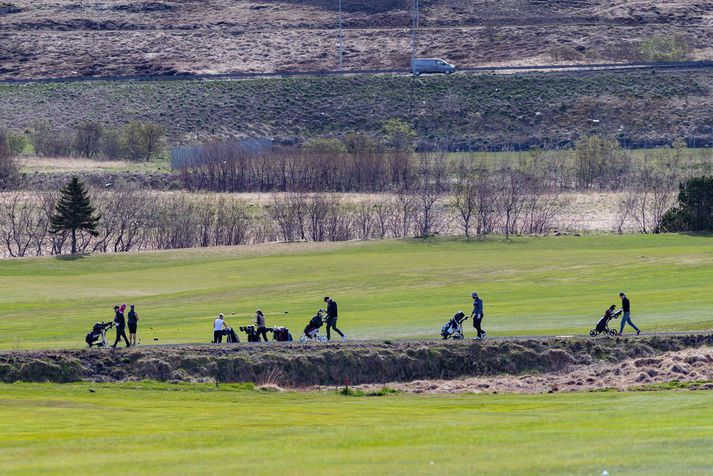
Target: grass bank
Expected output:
[355,363]
[385,290]
[467,110]
[201,429]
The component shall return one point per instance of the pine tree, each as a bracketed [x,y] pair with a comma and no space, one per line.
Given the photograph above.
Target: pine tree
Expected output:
[73,212]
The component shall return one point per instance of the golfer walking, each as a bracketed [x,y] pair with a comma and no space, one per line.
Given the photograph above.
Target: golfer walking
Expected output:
[477,315]
[120,323]
[626,318]
[332,316]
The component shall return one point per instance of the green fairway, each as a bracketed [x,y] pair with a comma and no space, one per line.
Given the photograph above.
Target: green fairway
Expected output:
[392,289]
[199,429]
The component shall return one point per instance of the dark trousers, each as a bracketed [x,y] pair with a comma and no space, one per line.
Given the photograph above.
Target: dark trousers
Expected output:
[217,337]
[262,331]
[121,332]
[332,324]
[477,321]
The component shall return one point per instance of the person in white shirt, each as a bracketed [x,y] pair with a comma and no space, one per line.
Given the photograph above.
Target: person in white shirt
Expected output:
[218,326]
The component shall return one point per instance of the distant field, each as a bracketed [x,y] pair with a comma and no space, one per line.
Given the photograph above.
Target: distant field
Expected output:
[201,429]
[385,290]
[47,165]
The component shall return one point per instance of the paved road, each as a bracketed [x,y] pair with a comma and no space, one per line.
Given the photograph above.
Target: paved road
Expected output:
[570,68]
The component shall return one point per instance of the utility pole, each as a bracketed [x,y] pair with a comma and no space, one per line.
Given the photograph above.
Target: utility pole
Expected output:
[414,27]
[341,41]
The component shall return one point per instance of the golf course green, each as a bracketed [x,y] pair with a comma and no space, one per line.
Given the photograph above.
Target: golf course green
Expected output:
[203,429]
[385,290]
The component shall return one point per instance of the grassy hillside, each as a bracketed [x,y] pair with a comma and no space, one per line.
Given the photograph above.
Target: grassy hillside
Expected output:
[385,289]
[68,38]
[642,108]
[200,429]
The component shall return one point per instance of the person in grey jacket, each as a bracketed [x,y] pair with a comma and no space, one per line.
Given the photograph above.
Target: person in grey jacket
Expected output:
[260,321]
[477,315]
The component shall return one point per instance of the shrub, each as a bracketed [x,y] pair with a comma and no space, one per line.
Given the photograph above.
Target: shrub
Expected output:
[694,211]
[87,139]
[17,143]
[111,145]
[325,146]
[665,48]
[143,141]
[8,167]
[49,142]
[598,161]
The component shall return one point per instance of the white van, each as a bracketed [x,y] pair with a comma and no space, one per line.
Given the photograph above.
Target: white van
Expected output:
[431,65]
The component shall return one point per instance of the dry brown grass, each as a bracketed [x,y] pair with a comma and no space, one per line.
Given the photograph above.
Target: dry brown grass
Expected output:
[65,38]
[690,365]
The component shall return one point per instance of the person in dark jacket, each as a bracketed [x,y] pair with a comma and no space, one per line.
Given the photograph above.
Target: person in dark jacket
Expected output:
[626,318]
[120,323]
[133,323]
[260,322]
[477,315]
[332,316]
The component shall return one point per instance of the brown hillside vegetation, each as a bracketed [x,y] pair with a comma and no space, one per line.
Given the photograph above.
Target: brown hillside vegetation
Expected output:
[122,37]
[301,365]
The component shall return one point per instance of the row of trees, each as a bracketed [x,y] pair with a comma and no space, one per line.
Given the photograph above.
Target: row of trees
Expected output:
[361,164]
[135,141]
[126,220]
[504,201]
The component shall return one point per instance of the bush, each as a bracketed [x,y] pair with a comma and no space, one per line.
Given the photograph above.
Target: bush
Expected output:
[49,142]
[143,141]
[694,211]
[87,139]
[325,146]
[665,48]
[9,171]
[598,161]
[111,145]
[17,143]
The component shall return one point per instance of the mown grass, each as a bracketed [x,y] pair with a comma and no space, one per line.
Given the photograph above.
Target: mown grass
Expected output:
[385,290]
[200,429]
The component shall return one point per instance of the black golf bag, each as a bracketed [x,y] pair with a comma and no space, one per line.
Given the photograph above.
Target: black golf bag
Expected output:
[281,334]
[311,331]
[454,328]
[230,336]
[97,336]
[602,326]
[251,332]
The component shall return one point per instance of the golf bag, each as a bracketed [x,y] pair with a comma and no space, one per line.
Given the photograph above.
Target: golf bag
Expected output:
[311,332]
[602,326]
[251,332]
[231,336]
[280,334]
[453,329]
[97,336]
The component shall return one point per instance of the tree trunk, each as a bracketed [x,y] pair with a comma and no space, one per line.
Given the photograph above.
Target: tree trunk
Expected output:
[74,240]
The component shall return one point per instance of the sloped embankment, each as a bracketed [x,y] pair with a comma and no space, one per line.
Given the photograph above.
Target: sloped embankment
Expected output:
[297,365]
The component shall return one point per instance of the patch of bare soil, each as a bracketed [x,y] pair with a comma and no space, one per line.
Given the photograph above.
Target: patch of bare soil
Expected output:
[690,365]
